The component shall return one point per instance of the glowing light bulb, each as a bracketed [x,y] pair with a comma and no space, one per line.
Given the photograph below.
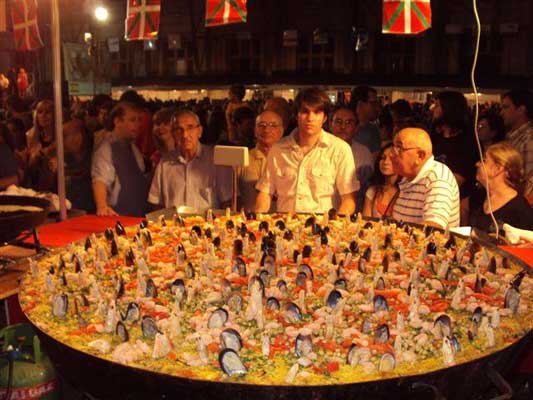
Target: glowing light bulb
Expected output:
[101,13]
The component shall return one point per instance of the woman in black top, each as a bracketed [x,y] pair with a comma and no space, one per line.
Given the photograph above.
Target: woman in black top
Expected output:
[504,174]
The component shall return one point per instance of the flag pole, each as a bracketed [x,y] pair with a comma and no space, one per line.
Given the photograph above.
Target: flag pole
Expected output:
[58,106]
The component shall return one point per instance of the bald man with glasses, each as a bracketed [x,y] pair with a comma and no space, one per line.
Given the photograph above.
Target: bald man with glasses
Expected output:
[428,191]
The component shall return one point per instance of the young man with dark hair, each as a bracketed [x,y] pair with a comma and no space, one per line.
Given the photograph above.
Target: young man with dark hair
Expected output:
[310,166]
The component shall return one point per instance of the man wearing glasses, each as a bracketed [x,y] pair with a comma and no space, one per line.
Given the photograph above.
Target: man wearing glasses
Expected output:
[428,191]
[187,176]
[310,166]
[268,130]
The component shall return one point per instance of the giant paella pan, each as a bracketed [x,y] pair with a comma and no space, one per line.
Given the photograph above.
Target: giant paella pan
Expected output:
[278,306]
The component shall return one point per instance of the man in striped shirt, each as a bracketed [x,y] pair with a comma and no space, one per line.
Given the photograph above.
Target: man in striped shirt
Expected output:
[428,191]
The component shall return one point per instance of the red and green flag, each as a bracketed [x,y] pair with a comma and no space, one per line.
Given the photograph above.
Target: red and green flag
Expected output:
[25,28]
[142,19]
[406,17]
[223,12]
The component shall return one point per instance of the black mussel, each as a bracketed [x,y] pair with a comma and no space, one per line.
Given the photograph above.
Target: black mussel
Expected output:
[325,230]
[332,214]
[306,251]
[340,269]
[269,263]
[400,224]
[129,257]
[512,299]
[84,300]
[304,345]
[242,230]
[208,233]
[114,248]
[474,324]
[178,220]
[250,215]
[368,225]
[492,265]
[230,363]
[316,229]
[196,229]
[310,221]
[366,326]
[295,255]
[237,247]
[381,334]
[268,244]
[62,266]
[367,254]
[380,283]
[189,271]
[149,327]
[239,266]
[234,302]
[361,234]
[406,228]
[143,224]
[122,332]
[428,230]
[333,298]
[280,224]
[88,243]
[396,256]
[108,234]
[230,225]
[431,248]
[362,265]
[455,343]
[282,286]
[151,289]
[341,284]
[226,287]
[385,263]
[292,313]
[388,241]
[301,278]
[272,304]
[251,237]
[353,217]
[444,324]
[386,221]
[216,242]
[380,303]
[255,283]
[450,243]
[354,247]
[265,277]
[387,362]
[263,226]
[60,305]
[230,339]
[476,315]
[63,279]
[432,267]
[517,280]
[288,235]
[119,229]
[472,257]
[480,283]
[306,269]
[119,287]
[352,358]
[505,263]
[180,249]
[217,319]
[178,286]
[334,259]
[133,313]
[409,288]
[323,239]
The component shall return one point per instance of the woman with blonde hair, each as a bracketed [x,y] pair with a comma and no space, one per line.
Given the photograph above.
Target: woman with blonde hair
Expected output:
[503,174]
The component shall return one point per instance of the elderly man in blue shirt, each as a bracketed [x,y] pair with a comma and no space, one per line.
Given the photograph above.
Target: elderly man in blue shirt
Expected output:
[187,176]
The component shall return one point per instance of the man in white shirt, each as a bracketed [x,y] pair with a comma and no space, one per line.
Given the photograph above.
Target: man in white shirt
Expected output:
[307,168]
[428,191]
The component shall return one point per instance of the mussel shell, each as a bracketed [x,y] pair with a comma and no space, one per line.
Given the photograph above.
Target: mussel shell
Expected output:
[280,224]
[380,303]
[444,323]
[119,287]
[239,266]
[431,248]
[196,229]
[388,241]
[306,269]
[217,242]
[380,284]
[381,334]
[368,225]
[304,345]
[512,299]
[306,251]
[309,222]
[151,289]
[273,304]
[352,358]
[149,327]
[450,243]
[88,243]
[119,229]
[387,363]
[114,248]
[133,313]
[295,255]
[230,363]
[122,332]
[242,230]
[129,257]
[476,315]
[288,235]
[455,343]
[385,263]
[234,302]
[354,247]
[217,319]
[332,214]
[178,285]
[492,265]
[189,271]
[255,283]
[367,254]
[263,226]
[333,298]
[292,313]
[251,237]
[300,280]
[265,277]
[108,234]
[366,326]
[429,230]
[237,247]
[341,284]
[250,215]
[517,280]
[282,286]
[361,267]
[60,305]
[323,239]
[143,224]
[231,339]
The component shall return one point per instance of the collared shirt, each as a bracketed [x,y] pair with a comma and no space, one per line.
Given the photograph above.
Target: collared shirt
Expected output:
[308,182]
[103,170]
[432,196]
[198,183]
[248,177]
[522,140]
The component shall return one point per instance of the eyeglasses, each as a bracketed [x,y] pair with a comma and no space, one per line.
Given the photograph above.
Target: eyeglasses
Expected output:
[347,122]
[398,149]
[264,125]
[188,128]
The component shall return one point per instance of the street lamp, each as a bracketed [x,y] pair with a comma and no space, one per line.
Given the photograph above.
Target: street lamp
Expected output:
[101,14]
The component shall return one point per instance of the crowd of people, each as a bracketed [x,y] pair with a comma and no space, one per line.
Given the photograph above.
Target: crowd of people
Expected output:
[413,162]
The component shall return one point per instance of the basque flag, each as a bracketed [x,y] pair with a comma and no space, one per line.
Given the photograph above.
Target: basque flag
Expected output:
[223,12]
[142,19]
[25,28]
[407,17]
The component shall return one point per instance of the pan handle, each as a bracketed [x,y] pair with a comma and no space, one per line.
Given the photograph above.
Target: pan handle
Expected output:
[426,386]
[503,386]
